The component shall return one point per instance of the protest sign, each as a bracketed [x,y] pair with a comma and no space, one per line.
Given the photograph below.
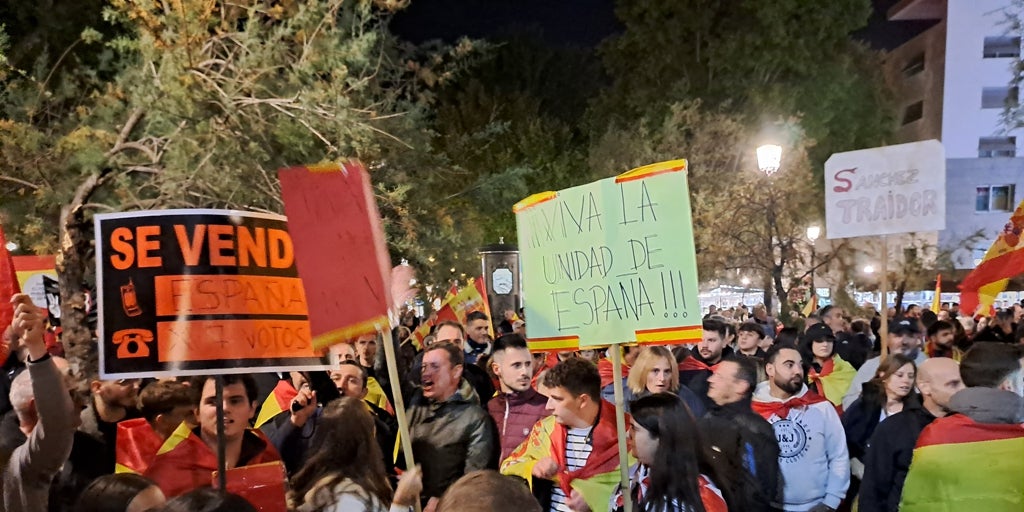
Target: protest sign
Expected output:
[32,272]
[194,292]
[342,256]
[886,190]
[611,262]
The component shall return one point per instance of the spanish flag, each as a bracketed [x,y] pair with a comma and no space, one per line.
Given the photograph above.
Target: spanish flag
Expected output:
[936,304]
[1002,261]
[595,481]
[959,464]
[279,401]
[811,306]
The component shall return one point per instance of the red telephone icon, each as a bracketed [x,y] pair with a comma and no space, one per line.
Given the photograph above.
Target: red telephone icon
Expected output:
[132,342]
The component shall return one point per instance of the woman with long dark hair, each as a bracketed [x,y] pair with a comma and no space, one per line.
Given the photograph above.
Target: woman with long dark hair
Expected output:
[121,492]
[881,397]
[828,375]
[671,475]
[346,474]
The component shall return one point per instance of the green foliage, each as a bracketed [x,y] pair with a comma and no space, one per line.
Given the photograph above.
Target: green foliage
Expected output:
[214,103]
[763,60]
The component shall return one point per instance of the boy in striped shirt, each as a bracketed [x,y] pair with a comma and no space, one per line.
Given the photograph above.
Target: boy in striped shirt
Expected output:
[576,445]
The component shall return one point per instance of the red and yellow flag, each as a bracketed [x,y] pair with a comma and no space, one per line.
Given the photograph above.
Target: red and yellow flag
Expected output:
[960,464]
[278,401]
[8,287]
[936,302]
[1002,261]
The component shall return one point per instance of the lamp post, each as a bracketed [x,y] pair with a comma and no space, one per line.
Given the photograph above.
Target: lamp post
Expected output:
[769,158]
[813,232]
[746,285]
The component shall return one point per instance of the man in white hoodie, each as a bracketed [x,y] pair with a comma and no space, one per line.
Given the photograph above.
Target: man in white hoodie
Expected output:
[812,444]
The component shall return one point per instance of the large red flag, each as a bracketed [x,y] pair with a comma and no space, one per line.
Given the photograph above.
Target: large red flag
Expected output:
[8,287]
[1002,261]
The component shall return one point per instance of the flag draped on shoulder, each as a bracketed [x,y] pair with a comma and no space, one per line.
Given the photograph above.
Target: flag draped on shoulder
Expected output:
[597,478]
[960,464]
[1002,261]
[833,380]
[278,401]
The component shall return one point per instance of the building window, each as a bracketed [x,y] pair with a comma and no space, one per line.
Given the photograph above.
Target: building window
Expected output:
[991,147]
[1001,47]
[999,97]
[914,66]
[994,199]
[913,112]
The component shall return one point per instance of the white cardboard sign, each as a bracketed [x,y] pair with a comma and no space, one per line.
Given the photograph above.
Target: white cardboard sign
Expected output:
[886,190]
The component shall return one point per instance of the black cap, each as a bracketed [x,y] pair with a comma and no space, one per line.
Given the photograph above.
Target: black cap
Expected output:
[904,326]
[818,331]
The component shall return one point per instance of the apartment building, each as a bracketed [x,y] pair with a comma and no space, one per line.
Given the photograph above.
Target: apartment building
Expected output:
[953,84]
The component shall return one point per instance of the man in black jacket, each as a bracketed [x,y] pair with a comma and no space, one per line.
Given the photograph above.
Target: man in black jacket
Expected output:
[741,442]
[891,448]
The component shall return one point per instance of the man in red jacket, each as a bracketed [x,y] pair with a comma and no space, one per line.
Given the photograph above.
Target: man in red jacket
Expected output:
[189,457]
[518,406]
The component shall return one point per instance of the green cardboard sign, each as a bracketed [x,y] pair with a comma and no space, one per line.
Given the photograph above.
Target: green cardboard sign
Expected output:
[611,262]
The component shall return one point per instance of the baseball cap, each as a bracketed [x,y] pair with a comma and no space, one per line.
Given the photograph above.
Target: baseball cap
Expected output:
[904,326]
[818,332]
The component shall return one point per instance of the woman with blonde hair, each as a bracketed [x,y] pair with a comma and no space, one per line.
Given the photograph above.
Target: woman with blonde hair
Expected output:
[346,474]
[656,371]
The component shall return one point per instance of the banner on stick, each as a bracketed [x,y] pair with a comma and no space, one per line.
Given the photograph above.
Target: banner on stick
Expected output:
[886,190]
[611,262]
[342,256]
[192,292]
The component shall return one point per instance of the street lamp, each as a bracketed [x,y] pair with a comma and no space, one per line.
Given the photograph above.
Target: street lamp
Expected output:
[769,158]
[868,269]
[813,232]
[746,284]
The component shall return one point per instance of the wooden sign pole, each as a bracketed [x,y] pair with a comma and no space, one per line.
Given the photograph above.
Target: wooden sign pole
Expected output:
[396,391]
[620,426]
[883,330]
[222,459]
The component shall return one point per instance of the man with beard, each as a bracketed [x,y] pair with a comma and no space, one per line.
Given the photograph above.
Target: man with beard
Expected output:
[518,406]
[892,446]
[695,370]
[813,458]
[111,401]
[940,341]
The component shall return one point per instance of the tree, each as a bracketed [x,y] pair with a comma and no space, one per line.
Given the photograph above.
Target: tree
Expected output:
[508,127]
[762,60]
[743,221]
[198,104]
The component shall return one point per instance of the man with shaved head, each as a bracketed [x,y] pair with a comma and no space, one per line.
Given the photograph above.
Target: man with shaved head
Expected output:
[892,446]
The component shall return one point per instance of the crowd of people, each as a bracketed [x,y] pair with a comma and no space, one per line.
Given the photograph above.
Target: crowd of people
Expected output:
[755,417]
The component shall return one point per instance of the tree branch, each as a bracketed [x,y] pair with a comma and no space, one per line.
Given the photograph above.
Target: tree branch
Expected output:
[19,181]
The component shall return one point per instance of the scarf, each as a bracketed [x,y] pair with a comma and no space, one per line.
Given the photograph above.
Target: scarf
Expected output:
[693,364]
[781,409]
[815,377]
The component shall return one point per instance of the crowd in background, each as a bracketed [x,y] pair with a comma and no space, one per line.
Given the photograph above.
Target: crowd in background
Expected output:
[756,416]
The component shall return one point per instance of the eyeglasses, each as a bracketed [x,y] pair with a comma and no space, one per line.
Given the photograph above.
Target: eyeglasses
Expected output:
[127,382]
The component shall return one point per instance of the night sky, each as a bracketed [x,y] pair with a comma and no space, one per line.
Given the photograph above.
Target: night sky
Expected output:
[579,23]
